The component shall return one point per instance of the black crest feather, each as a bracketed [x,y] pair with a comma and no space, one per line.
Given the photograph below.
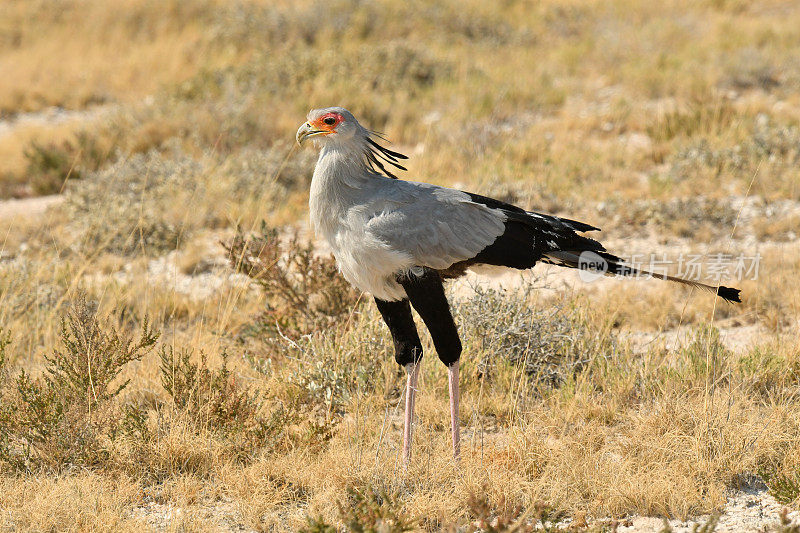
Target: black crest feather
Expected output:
[379,157]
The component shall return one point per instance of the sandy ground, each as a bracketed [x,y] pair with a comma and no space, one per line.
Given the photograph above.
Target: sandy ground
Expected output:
[749,510]
[27,207]
[52,116]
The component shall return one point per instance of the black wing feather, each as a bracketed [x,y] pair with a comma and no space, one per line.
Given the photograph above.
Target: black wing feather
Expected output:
[528,236]
[531,237]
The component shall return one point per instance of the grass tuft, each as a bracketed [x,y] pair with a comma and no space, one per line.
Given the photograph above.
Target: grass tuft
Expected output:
[366,510]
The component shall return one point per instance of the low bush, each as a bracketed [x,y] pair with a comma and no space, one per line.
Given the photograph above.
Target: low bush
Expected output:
[366,510]
[129,207]
[50,165]
[303,291]
[63,417]
[211,397]
[549,345]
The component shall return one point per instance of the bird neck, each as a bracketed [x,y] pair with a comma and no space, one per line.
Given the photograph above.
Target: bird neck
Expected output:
[340,180]
[341,165]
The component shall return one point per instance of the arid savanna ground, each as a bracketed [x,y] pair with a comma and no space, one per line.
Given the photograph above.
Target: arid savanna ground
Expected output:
[178,353]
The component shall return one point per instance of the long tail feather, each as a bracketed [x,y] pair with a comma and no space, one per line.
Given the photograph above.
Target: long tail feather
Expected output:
[615,266]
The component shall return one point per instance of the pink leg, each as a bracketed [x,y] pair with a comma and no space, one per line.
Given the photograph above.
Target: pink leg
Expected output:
[408,422]
[452,373]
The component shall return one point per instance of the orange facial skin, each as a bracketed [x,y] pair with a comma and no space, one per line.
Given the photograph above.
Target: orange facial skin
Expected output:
[321,125]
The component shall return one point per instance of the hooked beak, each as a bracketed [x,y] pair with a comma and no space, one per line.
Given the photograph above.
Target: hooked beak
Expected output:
[305,131]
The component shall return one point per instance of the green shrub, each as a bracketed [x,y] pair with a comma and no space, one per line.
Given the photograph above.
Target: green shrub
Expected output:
[506,518]
[304,292]
[705,356]
[63,417]
[130,207]
[366,510]
[50,165]
[211,397]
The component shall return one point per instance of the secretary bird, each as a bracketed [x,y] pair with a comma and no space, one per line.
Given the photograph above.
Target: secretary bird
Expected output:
[398,240]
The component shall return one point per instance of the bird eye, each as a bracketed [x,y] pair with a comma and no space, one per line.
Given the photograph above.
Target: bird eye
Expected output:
[330,121]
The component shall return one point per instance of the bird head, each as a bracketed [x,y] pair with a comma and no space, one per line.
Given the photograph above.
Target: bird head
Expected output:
[337,127]
[331,124]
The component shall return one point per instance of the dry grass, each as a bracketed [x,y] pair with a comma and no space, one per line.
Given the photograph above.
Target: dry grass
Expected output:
[781,228]
[77,53]
[271,400]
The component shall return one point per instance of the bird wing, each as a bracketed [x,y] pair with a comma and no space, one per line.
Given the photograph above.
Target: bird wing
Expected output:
[434,225]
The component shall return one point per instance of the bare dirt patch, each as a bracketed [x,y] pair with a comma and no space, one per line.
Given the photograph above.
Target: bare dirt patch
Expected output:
[28,207]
